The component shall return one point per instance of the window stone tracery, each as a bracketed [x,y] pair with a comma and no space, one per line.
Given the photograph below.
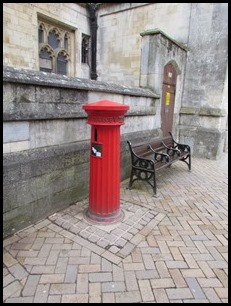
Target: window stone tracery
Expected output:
[54,48]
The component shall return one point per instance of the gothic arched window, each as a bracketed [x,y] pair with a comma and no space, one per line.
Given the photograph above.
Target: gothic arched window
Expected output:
[54,48]
[41,34]
[53,39]
[85,49]
[62,60]
[66,42]
[46,59]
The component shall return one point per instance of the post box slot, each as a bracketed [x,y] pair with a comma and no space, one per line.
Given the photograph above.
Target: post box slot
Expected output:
[95,134]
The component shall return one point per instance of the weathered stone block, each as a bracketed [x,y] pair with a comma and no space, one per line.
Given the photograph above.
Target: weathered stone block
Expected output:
[15,131]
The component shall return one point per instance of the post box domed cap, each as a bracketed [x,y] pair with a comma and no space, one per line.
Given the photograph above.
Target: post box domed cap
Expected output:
[105,105]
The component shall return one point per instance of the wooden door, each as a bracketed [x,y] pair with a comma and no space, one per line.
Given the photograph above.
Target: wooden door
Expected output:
[168,98]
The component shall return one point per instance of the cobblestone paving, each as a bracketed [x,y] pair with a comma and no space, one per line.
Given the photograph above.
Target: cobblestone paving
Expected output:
[119,238]
[173,248]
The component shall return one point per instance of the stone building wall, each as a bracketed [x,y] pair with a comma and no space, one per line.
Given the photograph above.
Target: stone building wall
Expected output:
[46,139]
[203,116]
[20,35]
[119,39]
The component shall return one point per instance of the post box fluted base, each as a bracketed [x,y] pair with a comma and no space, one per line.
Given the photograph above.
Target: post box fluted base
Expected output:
[104,219]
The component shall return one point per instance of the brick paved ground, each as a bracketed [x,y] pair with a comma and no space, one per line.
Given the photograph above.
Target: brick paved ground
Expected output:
[171,249]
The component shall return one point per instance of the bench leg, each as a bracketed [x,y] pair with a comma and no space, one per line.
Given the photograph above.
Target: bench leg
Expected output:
[130,180]
[188,162]
[155,195]
[153,176]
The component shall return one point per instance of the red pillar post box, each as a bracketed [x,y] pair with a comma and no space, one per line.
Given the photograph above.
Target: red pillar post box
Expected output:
[105,118]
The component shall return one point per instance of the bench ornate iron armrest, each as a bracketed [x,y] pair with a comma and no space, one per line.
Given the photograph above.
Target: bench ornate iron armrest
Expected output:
[185,151]
[171,150]
[162,157]
[180,146]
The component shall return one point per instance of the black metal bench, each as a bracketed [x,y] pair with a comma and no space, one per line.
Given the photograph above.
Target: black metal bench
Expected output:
[147,158]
